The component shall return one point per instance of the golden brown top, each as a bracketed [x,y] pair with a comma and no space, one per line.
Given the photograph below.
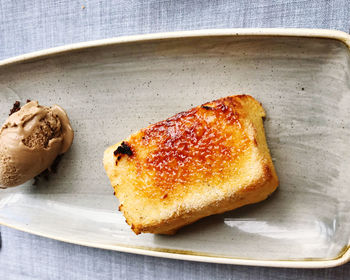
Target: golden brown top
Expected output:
[203,144]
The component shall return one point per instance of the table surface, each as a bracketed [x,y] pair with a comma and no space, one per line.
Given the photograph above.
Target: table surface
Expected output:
[31,25]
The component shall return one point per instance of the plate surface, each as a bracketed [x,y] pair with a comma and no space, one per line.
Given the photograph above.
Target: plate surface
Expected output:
[115,87]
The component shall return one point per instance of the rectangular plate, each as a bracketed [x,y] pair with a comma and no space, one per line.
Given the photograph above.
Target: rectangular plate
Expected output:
[114,87]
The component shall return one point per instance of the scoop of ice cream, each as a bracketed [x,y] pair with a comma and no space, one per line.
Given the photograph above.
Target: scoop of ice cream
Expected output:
[30,140]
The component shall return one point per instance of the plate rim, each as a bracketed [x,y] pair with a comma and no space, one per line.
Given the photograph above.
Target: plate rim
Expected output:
[344,37]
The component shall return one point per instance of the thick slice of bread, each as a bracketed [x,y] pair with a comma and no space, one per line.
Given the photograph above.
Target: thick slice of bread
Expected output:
[208,160]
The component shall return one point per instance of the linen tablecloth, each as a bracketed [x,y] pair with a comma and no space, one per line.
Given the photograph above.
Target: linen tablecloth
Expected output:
[30,25]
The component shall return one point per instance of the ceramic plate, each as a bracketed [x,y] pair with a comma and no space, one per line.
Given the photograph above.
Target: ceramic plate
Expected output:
[114,87]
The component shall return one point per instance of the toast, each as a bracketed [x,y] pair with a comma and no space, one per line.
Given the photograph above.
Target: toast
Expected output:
[208,160]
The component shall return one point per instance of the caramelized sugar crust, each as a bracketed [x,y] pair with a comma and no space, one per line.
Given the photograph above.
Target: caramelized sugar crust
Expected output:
[202,145]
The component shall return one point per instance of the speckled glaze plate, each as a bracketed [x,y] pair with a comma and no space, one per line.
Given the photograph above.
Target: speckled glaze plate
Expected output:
[113,87]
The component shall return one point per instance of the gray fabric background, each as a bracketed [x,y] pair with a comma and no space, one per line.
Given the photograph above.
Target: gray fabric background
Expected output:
[30,25]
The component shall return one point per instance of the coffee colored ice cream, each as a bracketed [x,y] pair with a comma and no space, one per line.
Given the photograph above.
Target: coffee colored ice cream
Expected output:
[30,140]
